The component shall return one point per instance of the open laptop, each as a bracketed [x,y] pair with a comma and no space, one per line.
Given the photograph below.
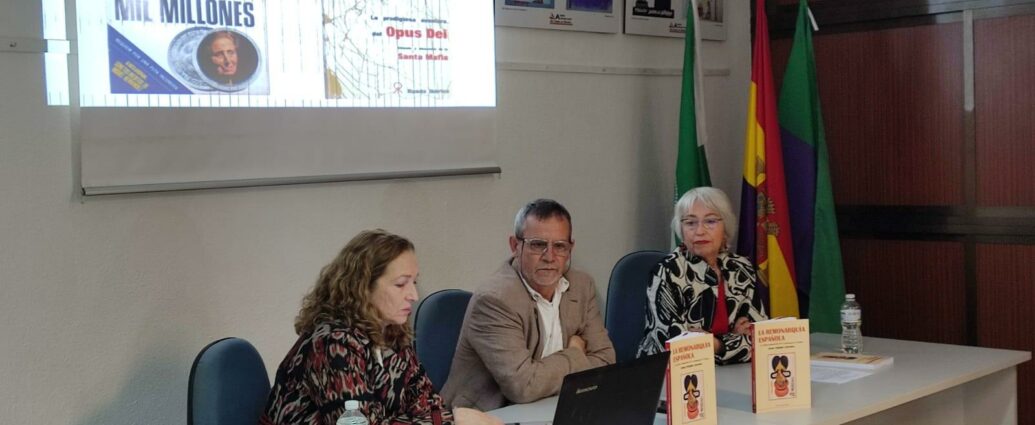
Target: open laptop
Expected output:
[624,393]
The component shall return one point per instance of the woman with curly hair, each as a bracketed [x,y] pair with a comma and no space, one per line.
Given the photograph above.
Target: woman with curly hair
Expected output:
[354,343]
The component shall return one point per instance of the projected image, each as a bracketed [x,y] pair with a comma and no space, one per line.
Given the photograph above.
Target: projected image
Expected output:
[602,6]
[228,59]
[545,4]
[177,56]
[400,50]
[208,60]
[258,53]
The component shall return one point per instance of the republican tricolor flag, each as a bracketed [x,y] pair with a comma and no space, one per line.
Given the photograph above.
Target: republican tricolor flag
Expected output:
[817,247]
[765,229]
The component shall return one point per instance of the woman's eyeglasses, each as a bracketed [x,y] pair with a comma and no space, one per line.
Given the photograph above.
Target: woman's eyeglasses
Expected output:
[709,223]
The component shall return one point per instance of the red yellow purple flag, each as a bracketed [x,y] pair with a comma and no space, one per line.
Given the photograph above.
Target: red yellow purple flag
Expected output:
[765,229]
[817,246]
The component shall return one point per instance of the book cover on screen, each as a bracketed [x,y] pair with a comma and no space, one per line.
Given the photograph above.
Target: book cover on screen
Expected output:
[852,361]
[398,49]
[780,378]
[303,53]
[690,381]
[187,46]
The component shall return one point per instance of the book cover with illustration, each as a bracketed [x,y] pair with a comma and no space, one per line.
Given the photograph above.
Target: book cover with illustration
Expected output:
[780,378]
[690,381]
[402,49]
[183,46]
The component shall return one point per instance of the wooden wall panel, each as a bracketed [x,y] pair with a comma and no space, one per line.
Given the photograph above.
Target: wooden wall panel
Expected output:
[908,289]
[892,96]
[1005,299]
[892,102]
[1004,80]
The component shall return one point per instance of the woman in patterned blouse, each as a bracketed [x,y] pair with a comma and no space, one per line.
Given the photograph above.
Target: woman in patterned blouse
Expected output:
[687,284]
[354,344]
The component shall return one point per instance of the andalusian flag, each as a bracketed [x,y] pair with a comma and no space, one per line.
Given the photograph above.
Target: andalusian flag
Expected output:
[817,248]
[765,229]
[691,163]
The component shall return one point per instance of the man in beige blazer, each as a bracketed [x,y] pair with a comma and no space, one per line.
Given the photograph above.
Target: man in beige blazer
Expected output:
[532,322]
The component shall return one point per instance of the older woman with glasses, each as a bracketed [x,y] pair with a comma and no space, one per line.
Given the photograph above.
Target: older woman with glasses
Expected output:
[702,286]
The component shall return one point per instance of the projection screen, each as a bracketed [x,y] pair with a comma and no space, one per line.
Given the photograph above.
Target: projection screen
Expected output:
[183,94]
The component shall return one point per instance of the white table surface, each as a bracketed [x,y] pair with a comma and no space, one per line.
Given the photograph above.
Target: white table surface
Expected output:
[920,369]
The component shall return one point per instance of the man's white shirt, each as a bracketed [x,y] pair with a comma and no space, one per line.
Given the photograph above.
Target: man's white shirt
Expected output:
[550,314]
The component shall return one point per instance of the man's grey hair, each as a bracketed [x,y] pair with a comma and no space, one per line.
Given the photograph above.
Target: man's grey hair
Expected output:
[541,209]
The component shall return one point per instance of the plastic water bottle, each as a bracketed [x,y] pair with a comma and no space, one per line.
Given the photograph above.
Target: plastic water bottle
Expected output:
[352,415]
[851,325]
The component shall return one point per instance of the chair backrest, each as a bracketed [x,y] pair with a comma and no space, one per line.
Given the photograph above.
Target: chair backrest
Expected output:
[625,313]
[437,328]
[228,384]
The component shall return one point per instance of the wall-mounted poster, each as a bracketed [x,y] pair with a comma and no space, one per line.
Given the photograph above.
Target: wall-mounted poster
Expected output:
[667,18]
[571,15]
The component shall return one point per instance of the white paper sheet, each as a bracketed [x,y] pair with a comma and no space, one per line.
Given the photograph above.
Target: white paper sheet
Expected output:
[834,375]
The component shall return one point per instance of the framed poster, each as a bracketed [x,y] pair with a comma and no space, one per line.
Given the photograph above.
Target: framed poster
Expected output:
[570,15]
[667,18]
[713,19]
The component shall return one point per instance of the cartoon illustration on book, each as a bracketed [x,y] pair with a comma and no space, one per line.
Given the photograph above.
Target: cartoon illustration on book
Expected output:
[782,377]
[692,396]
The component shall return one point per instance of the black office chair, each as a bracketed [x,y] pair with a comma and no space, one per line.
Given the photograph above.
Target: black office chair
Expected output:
[437,327]
[228,384]
[625,313]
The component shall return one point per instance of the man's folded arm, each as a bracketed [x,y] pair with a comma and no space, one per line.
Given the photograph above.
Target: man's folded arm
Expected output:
[497,335]
[599,349]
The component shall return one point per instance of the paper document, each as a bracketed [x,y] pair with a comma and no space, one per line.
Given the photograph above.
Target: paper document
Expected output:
[834,375]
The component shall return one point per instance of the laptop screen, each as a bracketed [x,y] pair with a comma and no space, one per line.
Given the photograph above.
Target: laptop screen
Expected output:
[624,393]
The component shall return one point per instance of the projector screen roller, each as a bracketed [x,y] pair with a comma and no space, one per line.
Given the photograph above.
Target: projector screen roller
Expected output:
[206,91]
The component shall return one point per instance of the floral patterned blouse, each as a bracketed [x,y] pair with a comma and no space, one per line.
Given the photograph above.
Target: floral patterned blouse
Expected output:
[682,296]
[335,363]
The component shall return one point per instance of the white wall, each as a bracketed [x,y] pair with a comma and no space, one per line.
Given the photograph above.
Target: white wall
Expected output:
[105,301]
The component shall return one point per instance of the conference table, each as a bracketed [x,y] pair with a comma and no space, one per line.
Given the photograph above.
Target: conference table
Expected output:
[927,384]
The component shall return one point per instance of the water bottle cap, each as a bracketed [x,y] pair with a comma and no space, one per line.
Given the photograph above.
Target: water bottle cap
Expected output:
[849,296]
[352,405]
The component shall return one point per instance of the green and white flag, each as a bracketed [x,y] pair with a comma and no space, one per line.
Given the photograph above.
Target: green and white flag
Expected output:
[691,162]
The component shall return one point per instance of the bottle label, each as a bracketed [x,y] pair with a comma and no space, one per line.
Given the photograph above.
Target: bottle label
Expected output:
[851,315]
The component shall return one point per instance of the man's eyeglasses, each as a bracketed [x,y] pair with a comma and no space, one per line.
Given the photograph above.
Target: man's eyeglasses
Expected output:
[785,373]
[696,393]
[709,223]
[539,246]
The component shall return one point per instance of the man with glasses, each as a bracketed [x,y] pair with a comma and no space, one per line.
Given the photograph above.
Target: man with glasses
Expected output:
[532,322]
